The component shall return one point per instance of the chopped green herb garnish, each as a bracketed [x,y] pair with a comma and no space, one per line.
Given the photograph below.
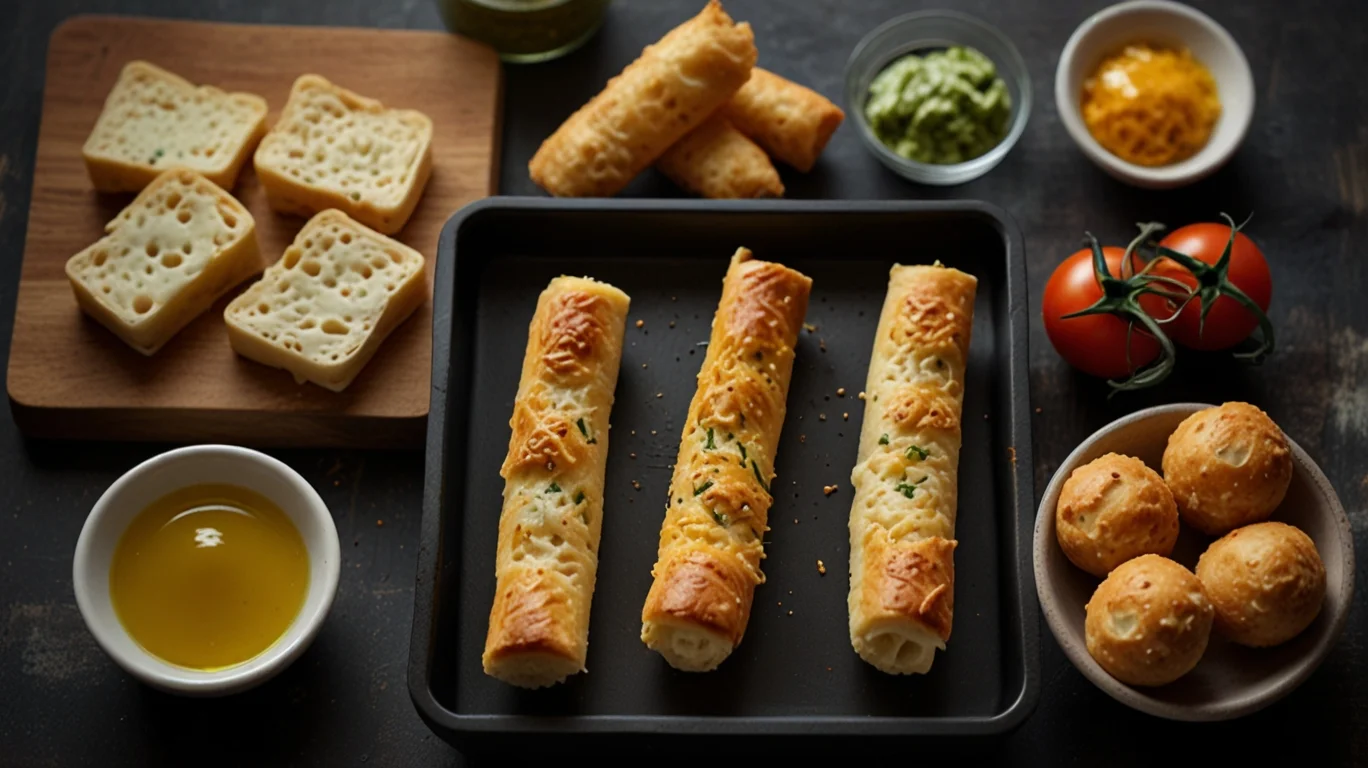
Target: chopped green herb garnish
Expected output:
[157,155]
[711,445]
[356,195]
[553,488]
[721,518]
[744,459]
[756,468]
[584,431]
[705,486]
[579,498]
[907,489]
[883,439]
[730,436]
[918,451]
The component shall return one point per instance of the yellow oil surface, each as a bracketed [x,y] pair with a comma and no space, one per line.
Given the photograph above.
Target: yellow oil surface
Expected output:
[209,576]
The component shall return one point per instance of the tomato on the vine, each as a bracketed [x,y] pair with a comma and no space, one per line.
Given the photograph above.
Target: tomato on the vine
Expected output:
[1094,344]
[1228,322]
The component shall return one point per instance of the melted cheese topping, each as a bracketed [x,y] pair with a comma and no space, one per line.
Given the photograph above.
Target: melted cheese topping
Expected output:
[1151,106]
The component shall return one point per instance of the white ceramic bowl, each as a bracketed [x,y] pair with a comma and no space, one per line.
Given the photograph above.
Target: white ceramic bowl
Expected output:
[1171,25]
[177,469]
[1231,680]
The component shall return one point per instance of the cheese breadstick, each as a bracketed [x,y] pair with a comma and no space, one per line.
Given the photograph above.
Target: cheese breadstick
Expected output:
[716,160]
[902,520]
[708,563]
[791,122]
[668,91]
[553,485]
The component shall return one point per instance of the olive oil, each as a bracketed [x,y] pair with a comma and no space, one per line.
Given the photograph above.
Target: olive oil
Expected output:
[209,576]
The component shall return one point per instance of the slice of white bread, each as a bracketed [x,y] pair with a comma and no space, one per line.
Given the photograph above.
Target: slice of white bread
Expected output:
[154,120]
[181,244]
[333,148]
[323,310]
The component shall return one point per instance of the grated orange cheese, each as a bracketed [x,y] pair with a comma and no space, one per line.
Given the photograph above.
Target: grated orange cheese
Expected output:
[1151,106]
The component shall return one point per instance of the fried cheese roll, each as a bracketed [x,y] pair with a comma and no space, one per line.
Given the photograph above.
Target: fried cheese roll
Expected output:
[791,122]
[553,485]
[708,564]
[668,91]
[902,520]
[715,160]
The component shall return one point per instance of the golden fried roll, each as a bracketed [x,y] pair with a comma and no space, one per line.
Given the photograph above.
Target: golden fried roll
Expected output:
[1114,509]
[902,520]
[708,563]
[1149,621]
[668,91]
[553,485]
[1228,467]
[791,122]
[716,160]
[1266,581]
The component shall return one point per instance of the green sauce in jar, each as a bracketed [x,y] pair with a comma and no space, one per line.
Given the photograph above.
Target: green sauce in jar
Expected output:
[941,108]
[526,30]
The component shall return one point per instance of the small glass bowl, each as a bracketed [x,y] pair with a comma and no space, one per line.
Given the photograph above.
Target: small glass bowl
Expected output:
[926,31]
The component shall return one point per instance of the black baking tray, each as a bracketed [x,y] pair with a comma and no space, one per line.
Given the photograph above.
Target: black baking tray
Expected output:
[794,683]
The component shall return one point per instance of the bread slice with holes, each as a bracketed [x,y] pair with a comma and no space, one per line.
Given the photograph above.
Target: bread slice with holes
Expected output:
[167,257]
[323,310]
[154,120]
[333,148]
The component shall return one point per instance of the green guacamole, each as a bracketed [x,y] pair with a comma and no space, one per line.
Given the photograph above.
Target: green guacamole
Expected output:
[945,107]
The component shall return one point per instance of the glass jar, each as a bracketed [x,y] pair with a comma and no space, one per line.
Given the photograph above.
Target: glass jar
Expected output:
[526,30]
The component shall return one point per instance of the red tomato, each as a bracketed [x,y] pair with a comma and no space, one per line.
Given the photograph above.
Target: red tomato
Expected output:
[1228,323]
[1094,344]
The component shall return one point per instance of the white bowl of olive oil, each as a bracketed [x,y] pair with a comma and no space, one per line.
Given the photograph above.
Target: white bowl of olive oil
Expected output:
[206,570]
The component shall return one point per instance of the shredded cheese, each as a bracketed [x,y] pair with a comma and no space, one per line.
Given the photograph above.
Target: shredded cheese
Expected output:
[1151,106]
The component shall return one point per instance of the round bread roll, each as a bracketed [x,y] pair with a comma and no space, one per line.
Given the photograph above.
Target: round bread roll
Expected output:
[1266,581]
[1227,467]
[1148,622]
[1113,509]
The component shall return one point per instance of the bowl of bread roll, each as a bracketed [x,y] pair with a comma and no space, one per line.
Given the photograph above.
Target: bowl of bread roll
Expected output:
[1193,562]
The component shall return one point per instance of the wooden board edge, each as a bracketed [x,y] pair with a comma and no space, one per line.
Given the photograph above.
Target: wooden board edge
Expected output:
[186,425]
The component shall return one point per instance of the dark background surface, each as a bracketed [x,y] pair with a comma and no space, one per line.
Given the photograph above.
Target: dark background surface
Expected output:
[1303,172]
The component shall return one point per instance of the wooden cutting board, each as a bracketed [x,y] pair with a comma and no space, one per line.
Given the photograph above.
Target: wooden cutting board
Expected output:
[71,378]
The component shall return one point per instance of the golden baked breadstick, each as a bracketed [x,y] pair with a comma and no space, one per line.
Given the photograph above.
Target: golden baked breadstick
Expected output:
[708,563]
[791,122]
[553,485]
[902,521]
[716,160]
[670,89]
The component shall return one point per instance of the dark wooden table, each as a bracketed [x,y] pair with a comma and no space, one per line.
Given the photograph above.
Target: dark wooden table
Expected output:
[1303,172]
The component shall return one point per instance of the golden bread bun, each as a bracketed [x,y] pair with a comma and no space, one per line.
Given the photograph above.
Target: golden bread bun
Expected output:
[1148,622]
[1227,467]
[1266,581]
[1113,509]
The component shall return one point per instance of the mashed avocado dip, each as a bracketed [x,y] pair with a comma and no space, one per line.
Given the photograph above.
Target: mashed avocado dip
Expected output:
[944,107]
